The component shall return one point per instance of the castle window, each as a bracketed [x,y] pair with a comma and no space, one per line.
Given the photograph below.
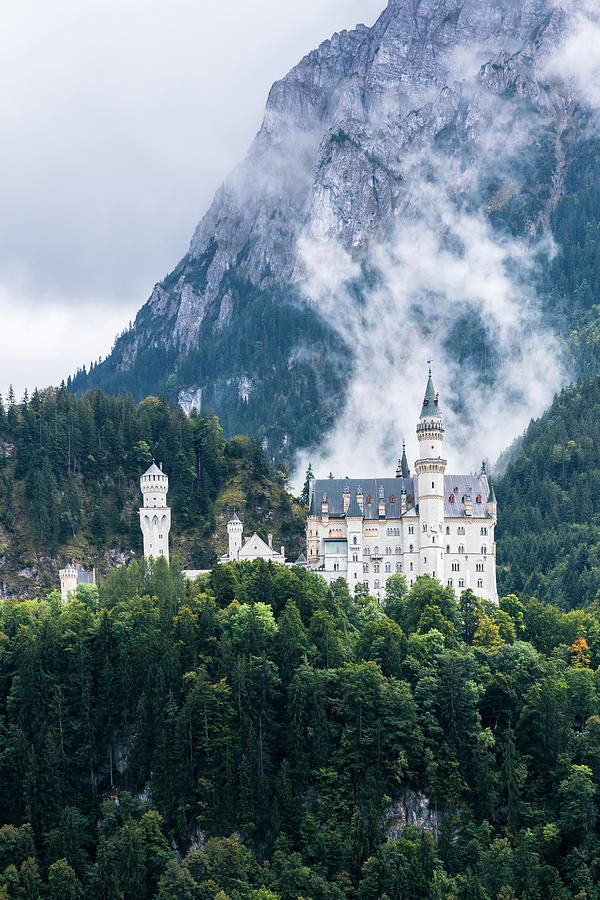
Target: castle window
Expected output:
[424,527]
[355,540]
[433,538]
[388,567]
[461,582]
[480,582]
[483,550]
[479,567]
[483,530]
[376,585]
[411,569]
[455,567]
[336,567]
[447,548]
[398,567]
[447,529]
[410,498]
[461,548]
[450,582]
[365,551]
[376,567]
[388,551]
[456,490]
[397,551]
[392,499]
[451,498]
[433,484]
[410,548]
[411,529]
[365,567]
[460,530]
[369,499]
[478,498]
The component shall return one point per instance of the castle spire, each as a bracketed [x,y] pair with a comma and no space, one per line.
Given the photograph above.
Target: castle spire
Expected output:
[430,403]
[404,462]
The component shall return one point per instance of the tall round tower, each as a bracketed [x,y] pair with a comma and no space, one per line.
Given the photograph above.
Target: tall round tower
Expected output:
[430,468]
[155,515]
[235,529]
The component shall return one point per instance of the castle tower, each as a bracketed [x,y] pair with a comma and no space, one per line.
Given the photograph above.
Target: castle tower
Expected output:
[430,468]
[155,515]
[68,581]
[235,529]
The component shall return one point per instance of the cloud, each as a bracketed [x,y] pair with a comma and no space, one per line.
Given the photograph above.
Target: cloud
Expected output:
[120,119]
[441,277]
[577,58]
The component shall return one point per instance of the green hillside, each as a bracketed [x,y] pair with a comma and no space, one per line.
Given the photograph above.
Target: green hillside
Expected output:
[69,484]
[259,734]
[548,536]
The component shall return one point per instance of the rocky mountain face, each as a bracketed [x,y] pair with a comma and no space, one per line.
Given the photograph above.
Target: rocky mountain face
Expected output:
[454,93]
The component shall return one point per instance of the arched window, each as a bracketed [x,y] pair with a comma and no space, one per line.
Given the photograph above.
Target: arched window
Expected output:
[365,567]
[460,530]
[480,582]
[483,550]
[409,498]
[451,498]
[355,540]
[388,551]
[461,548]
[411,529]
[447,529]
[410,548]
[461,582]
[376,567]
[479,567]
[398,567]
[483,530]
[376,585]
[388,567]
[447,548]
[450,582]
[369,499]
[397,551]
[455,567]
[392,499]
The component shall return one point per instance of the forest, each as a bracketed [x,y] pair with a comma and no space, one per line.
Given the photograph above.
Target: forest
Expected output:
[69,483]
[260,734]
[548,534]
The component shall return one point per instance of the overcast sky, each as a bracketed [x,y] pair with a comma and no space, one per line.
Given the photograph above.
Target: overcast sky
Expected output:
[120,119]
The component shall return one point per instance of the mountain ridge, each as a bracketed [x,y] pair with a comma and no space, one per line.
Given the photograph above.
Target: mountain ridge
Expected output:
[340,158]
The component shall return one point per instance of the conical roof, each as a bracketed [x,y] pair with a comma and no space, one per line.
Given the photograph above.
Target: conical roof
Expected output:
[154,470]
[492,495]
[235,518]
[404,462]
[354,510]
[430,403]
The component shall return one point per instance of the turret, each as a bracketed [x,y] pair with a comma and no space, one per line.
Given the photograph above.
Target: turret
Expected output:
[403,470]
[381,505]
[235,530]
[492,505]
[346,499]
[155,515]
[325,509]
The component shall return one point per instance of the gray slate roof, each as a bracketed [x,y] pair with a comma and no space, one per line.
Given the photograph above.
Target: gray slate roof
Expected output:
[334,489]
[430,408]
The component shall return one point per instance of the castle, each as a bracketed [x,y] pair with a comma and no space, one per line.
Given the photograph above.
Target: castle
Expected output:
[71,576]
[252,548]
[155,522]
[430,523]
